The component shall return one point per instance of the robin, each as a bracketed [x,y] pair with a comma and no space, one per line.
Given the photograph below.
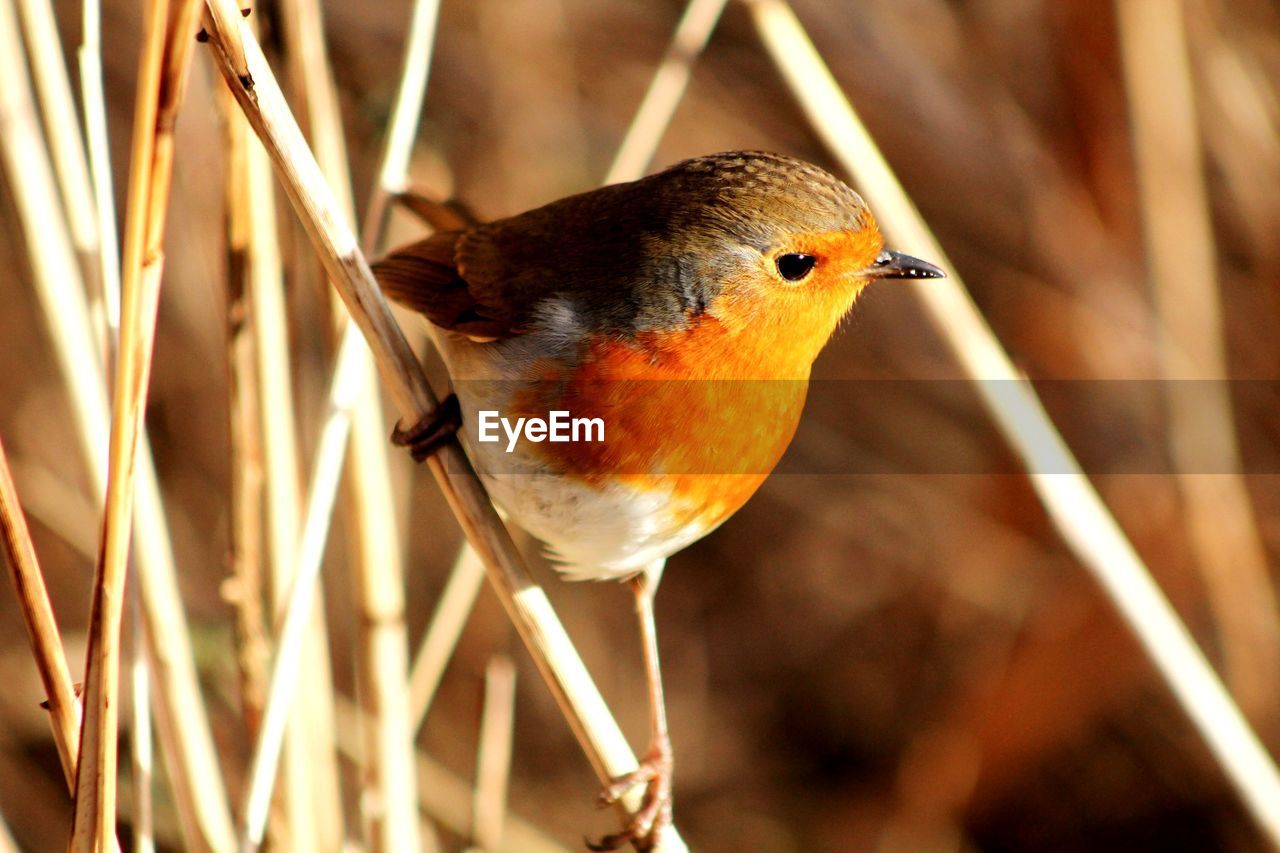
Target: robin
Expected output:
[680,314]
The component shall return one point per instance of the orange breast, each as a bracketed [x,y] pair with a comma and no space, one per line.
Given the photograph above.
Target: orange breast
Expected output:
[687,412]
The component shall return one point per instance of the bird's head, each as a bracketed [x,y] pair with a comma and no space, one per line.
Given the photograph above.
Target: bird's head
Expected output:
[781,248]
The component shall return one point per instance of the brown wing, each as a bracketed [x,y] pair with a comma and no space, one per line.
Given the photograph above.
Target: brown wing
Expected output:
[616,253]
[424,276]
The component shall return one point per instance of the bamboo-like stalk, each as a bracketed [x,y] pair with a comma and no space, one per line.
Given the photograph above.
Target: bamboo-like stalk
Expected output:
[1069,499]
[301,596]
[94,101]
[181,718]
[141,757]
[245,590]
[446,798]
[493,757]
[162,77]
[1182,264]
[441,637]
[393,173]
[241,62]
[63,128]
[665,90]
[105,270]
[278,427]
[37,614]
[389,790]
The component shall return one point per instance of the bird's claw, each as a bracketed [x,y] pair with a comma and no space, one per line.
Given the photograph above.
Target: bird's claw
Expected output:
[436,427]
[648,824]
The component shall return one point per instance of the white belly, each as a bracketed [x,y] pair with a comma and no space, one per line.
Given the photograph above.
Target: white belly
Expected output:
[591,532]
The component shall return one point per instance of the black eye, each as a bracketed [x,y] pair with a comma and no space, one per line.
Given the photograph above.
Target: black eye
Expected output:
[795,266]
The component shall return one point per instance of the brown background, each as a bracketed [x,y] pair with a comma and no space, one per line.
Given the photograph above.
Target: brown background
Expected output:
[911,660]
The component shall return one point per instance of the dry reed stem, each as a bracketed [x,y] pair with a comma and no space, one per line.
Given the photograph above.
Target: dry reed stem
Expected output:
[665,90]
[1069,499]
[301,596]
[1182,264]
[7,844]
[441,637]
[94,102]
[193,768]
[42,627]
[161,79]
[141,757]
[52,257]
[446,798]
[181,720]
[66,145]
[402,130]
[278,427]
[493,757]
[389,799]
[241,62]
[244,588]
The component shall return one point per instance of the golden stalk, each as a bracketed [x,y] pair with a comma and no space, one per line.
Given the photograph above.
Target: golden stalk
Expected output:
[393,172]
[94,102]
[1070,500]
[244,588]
[278,426]
[298,601]
[446,798]
[389,800]
[1182,264]
[42,627]
[7,844]
[493,757]
[665,90]
[166,55]
[141,756]
[181,718]
[65,141]
[241,62]
[441,637]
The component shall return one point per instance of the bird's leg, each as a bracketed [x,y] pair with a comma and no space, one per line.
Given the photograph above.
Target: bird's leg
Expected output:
[436,427]
[654,816]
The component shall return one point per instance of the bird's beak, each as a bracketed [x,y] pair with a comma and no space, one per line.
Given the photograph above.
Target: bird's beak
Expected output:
[891,264]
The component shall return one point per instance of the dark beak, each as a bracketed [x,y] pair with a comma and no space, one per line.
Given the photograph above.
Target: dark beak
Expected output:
[891,264]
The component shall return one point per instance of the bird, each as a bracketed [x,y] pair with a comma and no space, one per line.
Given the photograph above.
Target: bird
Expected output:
[682,311]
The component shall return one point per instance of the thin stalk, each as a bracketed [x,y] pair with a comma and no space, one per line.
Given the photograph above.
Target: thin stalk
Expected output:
[1183,268]
[66,144]
[245,590]
[239,58]
[446,798]
[140,752]
[493,758]
[278,427]
[37,614]
[7,844]
[665,90]
[182,722]
[1081,517]
[393,174]
[301,597]
[389,790]
[94,100]
[161,80]
[441,637]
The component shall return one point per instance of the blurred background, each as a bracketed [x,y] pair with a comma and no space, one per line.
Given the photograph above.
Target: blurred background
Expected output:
[899,655]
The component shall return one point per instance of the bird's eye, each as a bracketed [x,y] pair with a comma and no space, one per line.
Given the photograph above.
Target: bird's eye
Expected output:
[795,266]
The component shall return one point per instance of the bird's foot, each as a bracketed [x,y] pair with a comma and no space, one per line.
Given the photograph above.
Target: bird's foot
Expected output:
[654,816]
[438,426]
